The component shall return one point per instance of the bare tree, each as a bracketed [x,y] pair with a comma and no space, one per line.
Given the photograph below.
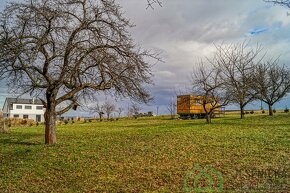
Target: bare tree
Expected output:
[97,109]
[236,62]
[134,110]
[271,82]
[67,50]
[209,84]
[108,107]
[285,3]
[171,107]
[119,111]
[151,3]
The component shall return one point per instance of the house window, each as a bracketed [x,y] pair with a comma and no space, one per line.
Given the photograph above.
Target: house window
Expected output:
[16,116]
[28,107]
[39,107]
[38,118]
[25,116]
[18,106]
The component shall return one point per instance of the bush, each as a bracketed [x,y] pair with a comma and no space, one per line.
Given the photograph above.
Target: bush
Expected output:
[16,122]
[286,110]
[252,112]
[72,122]
[263,111]
[85,121]
[247,112]
[65,122]
[274,111]
[90,120]
[23,122]
[37,123]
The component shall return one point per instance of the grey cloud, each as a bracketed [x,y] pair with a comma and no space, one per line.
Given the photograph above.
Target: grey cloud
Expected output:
[185,31]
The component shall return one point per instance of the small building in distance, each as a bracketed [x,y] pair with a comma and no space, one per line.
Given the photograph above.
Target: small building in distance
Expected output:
[191,106]
[23,109]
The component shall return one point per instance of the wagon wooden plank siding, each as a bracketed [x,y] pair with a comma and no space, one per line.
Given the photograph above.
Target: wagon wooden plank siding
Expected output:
[190,106]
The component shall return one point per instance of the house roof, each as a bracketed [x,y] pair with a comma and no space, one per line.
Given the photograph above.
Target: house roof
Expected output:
[23,101]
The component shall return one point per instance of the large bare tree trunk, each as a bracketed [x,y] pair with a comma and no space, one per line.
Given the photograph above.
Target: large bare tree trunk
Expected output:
[270,110]
[100,115]
[50,124]
[242,112]
[208,119]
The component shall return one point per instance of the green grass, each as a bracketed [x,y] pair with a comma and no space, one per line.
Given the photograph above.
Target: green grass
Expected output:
[148,155]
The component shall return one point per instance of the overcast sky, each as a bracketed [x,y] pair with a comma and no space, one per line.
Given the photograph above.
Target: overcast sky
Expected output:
[185,30]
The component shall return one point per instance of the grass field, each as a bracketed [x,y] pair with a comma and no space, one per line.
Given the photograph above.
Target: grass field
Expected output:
[148,155]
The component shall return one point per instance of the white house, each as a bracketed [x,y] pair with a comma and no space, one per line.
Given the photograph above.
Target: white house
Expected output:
[23,109]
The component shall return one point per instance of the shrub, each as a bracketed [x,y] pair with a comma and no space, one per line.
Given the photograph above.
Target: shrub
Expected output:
[72,122]
[90,120]
[37,123]
[23,122]
[247,112]
[286,110]
[274,111]
[252,112]
[85,121]
[65,122]
[263,111]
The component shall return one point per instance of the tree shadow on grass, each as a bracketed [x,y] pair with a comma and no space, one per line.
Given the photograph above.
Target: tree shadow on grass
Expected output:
[248,123]
[159,125]
[20,139]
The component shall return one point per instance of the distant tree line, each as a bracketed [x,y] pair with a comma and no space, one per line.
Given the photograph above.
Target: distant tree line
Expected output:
[240,74]
[108,108]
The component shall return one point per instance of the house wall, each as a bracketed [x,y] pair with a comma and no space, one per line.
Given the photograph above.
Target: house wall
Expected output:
[30,112]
